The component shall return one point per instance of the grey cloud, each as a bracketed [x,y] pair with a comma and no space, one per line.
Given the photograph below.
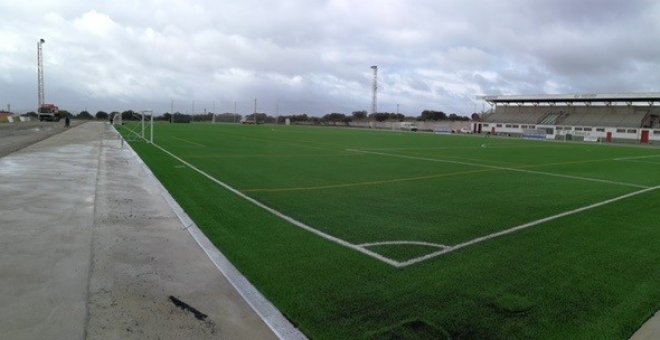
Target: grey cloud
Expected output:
[314,56]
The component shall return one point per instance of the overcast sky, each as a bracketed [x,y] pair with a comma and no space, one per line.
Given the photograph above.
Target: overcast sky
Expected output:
[314,56]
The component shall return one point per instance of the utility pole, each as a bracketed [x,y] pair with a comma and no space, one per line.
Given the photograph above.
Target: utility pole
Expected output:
[374,88]
[235,115]
[214,112]
[255,110]
[40,74]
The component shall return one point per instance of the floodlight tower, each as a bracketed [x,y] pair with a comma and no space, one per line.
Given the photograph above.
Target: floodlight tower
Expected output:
[40,74]
[374,105]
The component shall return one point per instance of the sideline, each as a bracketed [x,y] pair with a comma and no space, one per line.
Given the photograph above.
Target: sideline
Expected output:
[362,248]
[271,316]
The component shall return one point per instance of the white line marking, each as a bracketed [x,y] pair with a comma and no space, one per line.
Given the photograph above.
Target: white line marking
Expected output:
[417,243]
[498,146]
[285,217]
[636,157]
[644,162]
[447,249]
[189,142]
[271,316]
[503,168]
[523,226]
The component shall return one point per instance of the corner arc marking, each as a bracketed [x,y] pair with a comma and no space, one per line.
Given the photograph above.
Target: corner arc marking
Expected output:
[416,243]
[286,217]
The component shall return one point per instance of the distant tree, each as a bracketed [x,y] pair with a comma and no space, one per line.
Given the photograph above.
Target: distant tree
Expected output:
[359,115]
[84,115]
[128,115]
[454,117]
[384,116]
[31,114]
[336,118]
[379,116]
[300,118]
[206,117]
[102,115]
[65,113]
[432,115]
[293,118]
[475,117]
[178,117]
[166,116]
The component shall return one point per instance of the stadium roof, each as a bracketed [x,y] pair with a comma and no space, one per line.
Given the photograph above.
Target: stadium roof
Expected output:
[647,97]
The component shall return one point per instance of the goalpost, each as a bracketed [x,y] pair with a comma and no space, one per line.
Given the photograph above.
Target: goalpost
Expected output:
[137,132]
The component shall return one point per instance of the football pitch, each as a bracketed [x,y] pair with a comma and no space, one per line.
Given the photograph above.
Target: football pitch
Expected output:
[383,234]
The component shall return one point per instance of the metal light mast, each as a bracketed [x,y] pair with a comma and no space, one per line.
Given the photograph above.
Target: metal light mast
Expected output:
[374,105]
[40,74]
[255,111]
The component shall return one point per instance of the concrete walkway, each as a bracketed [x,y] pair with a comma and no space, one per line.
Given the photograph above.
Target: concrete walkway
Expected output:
[650,330]
[90,249]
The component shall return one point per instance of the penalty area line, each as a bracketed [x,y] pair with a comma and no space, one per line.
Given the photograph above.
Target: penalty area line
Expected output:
[287,218]
[544,173]
[189,142]
[523,226]
[398,243]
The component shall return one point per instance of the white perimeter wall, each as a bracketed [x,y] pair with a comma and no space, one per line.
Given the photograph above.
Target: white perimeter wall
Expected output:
[561,130]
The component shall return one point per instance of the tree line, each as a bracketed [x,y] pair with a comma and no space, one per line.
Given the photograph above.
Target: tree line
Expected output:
[426,115]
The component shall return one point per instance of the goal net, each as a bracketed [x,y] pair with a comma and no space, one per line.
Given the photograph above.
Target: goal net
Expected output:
[137,127]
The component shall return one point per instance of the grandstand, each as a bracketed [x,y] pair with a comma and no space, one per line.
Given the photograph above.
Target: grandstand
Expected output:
[590,117]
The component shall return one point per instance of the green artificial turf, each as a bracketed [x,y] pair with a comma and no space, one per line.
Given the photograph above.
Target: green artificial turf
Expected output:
[590,275]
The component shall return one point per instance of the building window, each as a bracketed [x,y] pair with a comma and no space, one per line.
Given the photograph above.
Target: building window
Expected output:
[621,130]
[600,129]
[632,131]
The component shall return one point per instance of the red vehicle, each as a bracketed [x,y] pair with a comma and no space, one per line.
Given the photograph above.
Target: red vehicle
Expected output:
[49,112]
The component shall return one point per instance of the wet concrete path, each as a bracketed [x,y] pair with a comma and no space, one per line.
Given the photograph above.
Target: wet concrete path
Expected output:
[90,249]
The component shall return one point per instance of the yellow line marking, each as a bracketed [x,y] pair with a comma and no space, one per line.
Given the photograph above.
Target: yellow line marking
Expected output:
[274,155]
[567,163]
[347,185]
[504,168]
[406,179]
[189,142]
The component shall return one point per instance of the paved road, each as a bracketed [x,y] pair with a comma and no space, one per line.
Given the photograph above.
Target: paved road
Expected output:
[89,249]
[15,136]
